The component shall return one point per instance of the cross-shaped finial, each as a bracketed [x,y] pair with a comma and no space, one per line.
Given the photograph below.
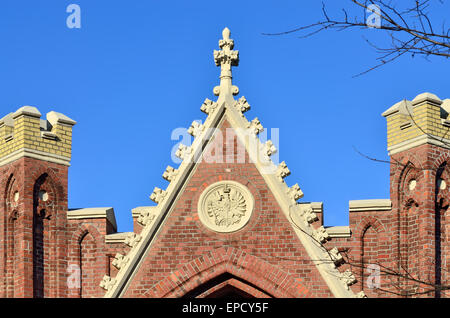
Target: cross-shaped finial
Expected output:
[226,57]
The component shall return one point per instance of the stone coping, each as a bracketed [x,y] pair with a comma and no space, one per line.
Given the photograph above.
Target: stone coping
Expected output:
[117,237]
[339,231]
[370,205]
[93,213]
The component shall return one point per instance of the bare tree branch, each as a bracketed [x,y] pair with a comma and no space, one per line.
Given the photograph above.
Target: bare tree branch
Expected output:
[413,24]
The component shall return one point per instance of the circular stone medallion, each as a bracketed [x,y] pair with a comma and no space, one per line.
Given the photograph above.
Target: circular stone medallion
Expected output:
[225,206]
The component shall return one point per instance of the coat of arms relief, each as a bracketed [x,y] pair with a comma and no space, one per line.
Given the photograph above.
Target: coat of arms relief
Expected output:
[225,206]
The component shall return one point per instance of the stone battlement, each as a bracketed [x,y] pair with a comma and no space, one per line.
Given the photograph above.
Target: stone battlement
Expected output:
[425,119]
[24,133]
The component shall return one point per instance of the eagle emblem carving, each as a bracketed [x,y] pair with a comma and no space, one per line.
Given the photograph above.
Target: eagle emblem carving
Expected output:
[226,205]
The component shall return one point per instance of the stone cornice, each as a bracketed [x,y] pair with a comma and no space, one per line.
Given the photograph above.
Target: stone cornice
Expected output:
[418,141]
[370,205]
[93,213]
[339,231]
[36,154]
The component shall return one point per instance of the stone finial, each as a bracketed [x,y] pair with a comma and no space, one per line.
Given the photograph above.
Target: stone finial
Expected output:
[132,239]
[226,58]
[107,282]
[282,171]
[120,261]
[226,35]
[170,174]
[158,195]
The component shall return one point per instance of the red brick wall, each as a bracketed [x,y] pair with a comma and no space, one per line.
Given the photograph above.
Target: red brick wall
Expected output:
[32,222]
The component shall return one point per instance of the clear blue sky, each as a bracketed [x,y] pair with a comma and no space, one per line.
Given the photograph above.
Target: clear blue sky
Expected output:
[138,69]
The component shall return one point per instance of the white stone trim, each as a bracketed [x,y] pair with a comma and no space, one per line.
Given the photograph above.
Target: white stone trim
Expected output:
[28,111]
[36,154]
[339,231]
[93,213]
[7,120]
[117,237]
[55,118]
[370,205]
[403,106]
[317,207]
[418,141]
[426,98]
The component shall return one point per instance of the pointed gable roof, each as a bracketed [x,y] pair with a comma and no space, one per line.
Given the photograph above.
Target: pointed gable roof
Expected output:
[301,216]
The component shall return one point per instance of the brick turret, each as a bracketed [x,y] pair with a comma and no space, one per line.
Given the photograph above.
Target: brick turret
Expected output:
[419,146]
[34,159]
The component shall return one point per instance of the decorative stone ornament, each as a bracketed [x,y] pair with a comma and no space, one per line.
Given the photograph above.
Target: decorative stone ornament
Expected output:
[320,234]
[132,239]
[361,294]
[170,173]
[269,148]
[336,256]
[255,126]
[195,129]
[183,151]
[309,215]
[242,105]
[295,192]
[158,195]
[225,206]
[107,282]
[283,171]
[208,106]
[146,217]
[120,261]
[347,278]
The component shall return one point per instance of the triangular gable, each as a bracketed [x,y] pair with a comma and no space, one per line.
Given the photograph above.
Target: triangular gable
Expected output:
[300,215]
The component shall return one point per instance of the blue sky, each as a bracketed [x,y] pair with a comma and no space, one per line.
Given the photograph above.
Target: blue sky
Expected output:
[136,70]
